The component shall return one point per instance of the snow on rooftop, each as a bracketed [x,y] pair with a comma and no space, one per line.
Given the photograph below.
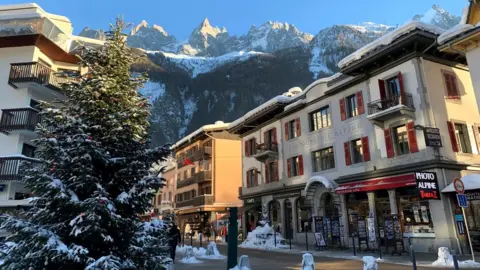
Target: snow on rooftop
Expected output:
[387,39]
[453,32]
[295,104]
[218,125]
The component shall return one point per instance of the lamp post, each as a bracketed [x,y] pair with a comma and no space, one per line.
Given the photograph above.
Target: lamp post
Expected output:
[201,221]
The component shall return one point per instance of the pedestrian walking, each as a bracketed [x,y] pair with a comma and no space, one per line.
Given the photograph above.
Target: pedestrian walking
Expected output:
[173,240]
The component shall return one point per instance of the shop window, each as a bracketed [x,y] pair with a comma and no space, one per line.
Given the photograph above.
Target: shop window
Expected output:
[451,85]
[323,159]
[400,138]
[304,215]
[416,216]
[352,109]
[28,150]
[357,151]
[320,119]
[463,140]
[274,213]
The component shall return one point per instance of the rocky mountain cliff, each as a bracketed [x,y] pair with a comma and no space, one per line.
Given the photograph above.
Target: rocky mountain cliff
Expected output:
[215,76]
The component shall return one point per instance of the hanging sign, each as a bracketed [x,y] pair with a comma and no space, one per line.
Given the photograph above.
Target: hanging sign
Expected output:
[432,137]
[427,185]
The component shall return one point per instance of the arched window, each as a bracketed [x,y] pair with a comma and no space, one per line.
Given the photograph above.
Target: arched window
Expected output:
[274,214]
[304,215]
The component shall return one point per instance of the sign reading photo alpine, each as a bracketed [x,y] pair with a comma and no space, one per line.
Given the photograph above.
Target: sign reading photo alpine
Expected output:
[427,185]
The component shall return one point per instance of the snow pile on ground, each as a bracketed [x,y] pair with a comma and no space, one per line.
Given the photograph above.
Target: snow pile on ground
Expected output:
[200,251]
[243,263]
[445,259]
[189,257]
[307,262]
[369,263]
[262,238]
[387,39]
[197,65]
[212,252]
[453,32]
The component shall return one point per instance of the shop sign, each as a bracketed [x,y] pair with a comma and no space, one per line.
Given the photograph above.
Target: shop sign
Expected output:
[427,184]
[287,195]
[253,200]
[473,195]
[432,137]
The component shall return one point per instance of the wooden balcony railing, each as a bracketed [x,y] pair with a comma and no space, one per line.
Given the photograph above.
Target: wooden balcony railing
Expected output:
[11,167]
[19,119]
[389,102]
[34,72]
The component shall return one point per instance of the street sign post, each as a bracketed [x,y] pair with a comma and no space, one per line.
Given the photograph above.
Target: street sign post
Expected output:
[463,203]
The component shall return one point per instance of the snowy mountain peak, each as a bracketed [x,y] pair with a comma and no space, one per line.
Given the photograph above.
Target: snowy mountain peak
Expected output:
[160,29]
[371,27]
[139,26]
[438,17]
[205,28]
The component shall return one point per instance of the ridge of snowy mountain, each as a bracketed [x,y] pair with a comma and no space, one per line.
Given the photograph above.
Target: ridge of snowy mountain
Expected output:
[439,17]
[153,38]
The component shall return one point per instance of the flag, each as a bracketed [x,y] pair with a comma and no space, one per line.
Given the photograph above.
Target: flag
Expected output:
[187,162]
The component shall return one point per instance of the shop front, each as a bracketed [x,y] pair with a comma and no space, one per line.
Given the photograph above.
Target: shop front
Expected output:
[251,214]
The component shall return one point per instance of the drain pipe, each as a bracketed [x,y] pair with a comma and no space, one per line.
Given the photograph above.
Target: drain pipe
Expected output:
[451,212]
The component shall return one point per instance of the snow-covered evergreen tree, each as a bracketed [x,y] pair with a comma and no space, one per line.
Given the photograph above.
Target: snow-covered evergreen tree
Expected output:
[95,175]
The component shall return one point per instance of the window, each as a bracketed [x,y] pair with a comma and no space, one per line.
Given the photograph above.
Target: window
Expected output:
[352,109]
[250,147]
[270,137]
[393,87]
[271,172]
[400,138]
[295,166]
[323,159]
[179,177]
[193,193]
[304,216]
[154,203]
[169,196]
[450,80]
[251,177]
[292,130]
[320,119]
[463,141]
[192,172]
[357,153]
[28,150]
[185,174]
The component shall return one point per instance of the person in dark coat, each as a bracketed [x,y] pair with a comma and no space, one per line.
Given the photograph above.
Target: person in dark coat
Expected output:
[173,239]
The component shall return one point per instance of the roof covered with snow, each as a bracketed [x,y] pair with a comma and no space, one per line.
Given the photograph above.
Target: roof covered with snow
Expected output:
[27,10]
[219,125]
[455,31]
[388,39]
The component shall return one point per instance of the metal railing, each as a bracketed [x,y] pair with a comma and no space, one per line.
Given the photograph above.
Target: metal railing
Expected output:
[198,177]
[184,203]
[11,167]
[34,72]
[389,102]
[202,153]
[203,200]
[19,119]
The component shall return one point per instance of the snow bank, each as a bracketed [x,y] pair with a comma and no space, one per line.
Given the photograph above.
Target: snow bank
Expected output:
[453,32]
[329,184]
[212,252]
[200,251]
[190,260]
[369,263]
[387,39]
[445,259]
[262,238]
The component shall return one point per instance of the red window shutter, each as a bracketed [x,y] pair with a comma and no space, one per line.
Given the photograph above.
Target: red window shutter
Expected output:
[400,83]
[361,107]
[381,86]
[286,131]
[289,168]
[267,174]
[476,134]
[274,135]
[246,148]
[275,171]
[389,143]
[297,122]
[365,149]
[300,165]
[453,137]
[248,179]
[348,157]
[256,177]
[343,114]
[412,137]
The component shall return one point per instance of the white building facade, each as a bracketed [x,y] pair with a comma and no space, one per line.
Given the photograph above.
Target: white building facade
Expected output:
[346,150]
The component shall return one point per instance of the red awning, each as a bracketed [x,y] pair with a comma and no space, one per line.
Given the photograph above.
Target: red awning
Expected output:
[397,181]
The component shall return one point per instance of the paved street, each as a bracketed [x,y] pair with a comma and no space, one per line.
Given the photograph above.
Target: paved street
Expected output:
[267,260]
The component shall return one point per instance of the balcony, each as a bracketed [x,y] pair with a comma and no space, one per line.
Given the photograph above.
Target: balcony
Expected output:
[202,153]
[184,203]
[266,152]
[391,107]
[198,178]
[36,76]
[11,168]
[19,120]
[203,200]
[186,182]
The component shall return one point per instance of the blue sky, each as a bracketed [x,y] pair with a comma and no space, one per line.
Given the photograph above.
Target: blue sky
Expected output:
[179,17]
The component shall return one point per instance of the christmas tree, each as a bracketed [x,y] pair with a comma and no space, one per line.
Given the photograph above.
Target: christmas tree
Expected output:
[95,174]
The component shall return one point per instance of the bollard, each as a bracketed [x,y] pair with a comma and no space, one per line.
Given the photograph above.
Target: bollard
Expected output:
[306,239]
[414,260]
[275,238]
[290,240]
[307,262]
[380,250]
[200,236]
[191,240]
[455,262]
[354,251]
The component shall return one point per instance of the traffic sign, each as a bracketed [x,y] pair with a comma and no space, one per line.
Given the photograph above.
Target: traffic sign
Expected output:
[462,200]
[458,185]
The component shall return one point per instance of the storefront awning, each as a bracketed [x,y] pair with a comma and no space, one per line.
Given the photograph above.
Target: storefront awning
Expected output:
[471,182]
[391,182]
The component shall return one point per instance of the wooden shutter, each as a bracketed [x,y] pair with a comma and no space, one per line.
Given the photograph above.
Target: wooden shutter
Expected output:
[289,168]
[348,157]
[248,178]
[275,171]
[365,149]
[343,113]
[451,85]
[267,174]
[476,134]
[388,143]
[453,137]
[412,137]
[361,107]
[381,86]
[298,127]
[400,83]
[246,148]
[274,135]
[286,131]
[300,165]
[255,173]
